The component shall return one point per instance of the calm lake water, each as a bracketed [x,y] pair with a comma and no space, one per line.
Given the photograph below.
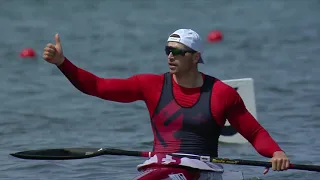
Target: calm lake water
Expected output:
[274,42]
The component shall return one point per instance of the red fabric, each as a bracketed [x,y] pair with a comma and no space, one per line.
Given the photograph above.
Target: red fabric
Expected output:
[226,102]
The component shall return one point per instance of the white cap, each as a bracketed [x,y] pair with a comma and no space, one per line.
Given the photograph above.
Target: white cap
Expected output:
[189,38]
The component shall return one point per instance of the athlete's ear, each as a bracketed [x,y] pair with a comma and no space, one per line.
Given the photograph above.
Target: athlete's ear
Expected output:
[196,58]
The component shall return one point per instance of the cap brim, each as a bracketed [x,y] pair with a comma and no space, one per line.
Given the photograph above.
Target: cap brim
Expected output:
[201,60]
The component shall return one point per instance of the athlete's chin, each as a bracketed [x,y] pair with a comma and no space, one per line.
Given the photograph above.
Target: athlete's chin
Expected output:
[173,69]
[172,72]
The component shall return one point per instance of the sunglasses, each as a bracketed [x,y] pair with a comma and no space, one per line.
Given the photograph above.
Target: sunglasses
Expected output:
[177,51]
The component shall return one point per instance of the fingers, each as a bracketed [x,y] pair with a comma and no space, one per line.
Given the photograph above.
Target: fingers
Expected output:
[284,165]
[50,54]
[280,164]
[50,46]
[49,51]
[47,57]
[279,161]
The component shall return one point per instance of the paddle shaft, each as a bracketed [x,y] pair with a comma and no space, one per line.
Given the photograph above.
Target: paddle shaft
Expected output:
[214,160]
[80,153]
[264,164]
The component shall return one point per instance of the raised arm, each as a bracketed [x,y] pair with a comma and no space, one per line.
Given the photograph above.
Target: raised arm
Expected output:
[120,90]
[114,89]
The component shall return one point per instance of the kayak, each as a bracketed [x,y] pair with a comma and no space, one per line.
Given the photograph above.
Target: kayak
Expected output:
[205,175]
[209,170]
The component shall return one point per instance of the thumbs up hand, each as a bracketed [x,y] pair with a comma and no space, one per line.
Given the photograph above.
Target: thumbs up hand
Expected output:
[53,52]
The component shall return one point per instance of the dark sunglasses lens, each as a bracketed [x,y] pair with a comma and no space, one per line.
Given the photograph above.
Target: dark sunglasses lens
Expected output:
[174,51]
[167,49]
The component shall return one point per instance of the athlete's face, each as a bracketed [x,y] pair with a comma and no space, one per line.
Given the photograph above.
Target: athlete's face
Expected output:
[181,58]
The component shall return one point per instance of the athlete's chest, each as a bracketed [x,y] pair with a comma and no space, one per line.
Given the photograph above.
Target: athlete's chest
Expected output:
[172,116]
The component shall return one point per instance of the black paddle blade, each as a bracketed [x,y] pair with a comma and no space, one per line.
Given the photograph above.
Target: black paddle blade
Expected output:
[59,154]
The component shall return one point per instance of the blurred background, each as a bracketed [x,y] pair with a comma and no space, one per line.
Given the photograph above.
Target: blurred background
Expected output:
[275,42]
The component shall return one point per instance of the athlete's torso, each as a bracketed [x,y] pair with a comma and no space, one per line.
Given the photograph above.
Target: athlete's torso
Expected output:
[189,124]
[185,129]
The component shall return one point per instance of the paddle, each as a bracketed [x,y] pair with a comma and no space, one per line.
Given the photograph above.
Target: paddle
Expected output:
[80,153]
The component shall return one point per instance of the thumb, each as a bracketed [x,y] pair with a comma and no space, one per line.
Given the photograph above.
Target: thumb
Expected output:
[57,38]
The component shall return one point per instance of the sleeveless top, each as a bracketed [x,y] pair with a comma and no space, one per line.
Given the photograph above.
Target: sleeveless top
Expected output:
[188,130]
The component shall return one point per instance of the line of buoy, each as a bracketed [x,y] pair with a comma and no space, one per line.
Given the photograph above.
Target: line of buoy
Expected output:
[28,53]
[213,36]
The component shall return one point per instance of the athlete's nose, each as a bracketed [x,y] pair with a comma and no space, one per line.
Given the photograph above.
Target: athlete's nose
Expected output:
[170,57]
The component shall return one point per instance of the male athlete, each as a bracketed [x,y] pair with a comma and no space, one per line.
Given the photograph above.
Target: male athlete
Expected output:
[187,109]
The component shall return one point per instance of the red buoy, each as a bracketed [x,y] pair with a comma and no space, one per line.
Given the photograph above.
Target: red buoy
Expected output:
[27,53]
[214,36]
